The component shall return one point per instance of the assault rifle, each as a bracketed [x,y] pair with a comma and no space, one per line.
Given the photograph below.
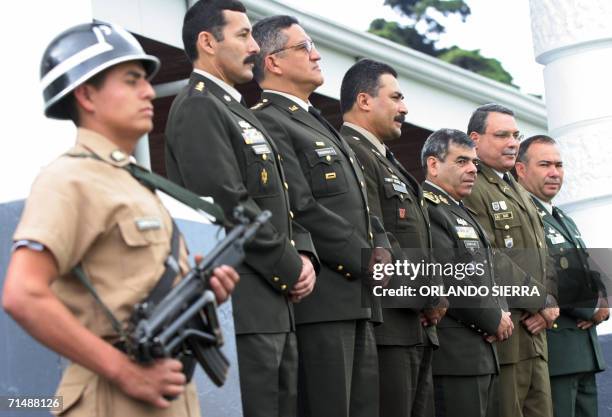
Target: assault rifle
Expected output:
[184,323]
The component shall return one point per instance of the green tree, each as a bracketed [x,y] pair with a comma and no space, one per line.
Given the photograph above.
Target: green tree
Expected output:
[427,13]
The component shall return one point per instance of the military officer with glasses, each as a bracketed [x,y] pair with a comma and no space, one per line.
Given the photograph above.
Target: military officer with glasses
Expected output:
[507,214]
[338,363]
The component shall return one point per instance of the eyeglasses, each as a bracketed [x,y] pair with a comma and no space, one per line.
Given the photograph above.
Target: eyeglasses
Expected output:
[308,45]
[507,135]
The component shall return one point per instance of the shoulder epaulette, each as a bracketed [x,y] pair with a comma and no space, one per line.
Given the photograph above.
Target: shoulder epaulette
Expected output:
[431,197]
[197,89]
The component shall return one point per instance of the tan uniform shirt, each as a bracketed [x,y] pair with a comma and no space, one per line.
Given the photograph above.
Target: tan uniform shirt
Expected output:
[95,213]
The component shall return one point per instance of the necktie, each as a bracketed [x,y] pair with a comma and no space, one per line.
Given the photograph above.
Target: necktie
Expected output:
[506,178]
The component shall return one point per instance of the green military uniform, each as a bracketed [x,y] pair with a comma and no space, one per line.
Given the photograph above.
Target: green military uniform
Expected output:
[507,214]
[574,355]
[465,367]
[404,346]
[338,362]
[216,147]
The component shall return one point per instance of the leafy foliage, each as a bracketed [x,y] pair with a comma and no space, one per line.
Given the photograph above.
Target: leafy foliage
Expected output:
[428,12]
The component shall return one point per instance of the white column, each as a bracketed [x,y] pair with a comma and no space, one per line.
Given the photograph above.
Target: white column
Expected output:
[573,40]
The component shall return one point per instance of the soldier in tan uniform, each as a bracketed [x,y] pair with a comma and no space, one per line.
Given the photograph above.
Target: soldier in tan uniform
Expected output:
[86,209]
[512,224]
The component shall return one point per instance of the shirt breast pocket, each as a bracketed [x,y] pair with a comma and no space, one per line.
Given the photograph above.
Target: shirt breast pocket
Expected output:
[327,176]
[262,175]
[397,202]
[508,229]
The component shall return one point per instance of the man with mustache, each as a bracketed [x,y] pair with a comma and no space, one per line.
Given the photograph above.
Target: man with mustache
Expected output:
[513,225]
[574,354]
[465,367]
[373,109]
[216,147]
[338,365]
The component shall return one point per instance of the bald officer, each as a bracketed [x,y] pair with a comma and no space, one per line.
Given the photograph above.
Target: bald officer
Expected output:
[574,353]
[86,209]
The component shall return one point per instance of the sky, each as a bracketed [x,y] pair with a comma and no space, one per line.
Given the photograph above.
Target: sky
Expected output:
[501,29]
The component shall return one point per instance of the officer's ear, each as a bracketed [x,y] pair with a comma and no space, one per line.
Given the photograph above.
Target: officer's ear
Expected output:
[521,169]
[206,43]
[475,137]
[271,65]
[83,97]
[432,166]
[364,102]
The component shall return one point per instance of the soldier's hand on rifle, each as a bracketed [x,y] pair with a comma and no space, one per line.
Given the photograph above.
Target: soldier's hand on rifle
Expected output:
[306,282]
[151,383]
[223,280]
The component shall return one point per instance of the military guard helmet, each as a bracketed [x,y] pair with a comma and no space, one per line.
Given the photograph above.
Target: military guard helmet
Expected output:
[81,52]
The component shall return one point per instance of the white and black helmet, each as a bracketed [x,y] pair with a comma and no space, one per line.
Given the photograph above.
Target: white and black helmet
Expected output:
[81,52]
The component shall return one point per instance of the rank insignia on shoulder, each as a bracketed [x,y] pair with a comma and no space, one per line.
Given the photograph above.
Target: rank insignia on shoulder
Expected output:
[461,221]
[227,98]
[431,197]
[293,108]
[444,200]
[199,86]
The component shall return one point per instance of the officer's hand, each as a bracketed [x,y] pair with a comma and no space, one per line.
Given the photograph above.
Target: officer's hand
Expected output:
[223,281]
[584,324]
[505,327]
[535,323]
[306,282]
[163,378]
[550,314]
[603,313]
[380,256]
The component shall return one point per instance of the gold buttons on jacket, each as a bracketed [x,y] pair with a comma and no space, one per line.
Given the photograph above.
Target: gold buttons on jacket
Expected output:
[340,267]
[291,214]
[275,279]
[371,236]
[506,227]
[286,185]
[348,275]
[293,242]
[284,287]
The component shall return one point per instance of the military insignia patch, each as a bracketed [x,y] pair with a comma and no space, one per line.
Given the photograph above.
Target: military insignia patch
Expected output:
[461,221]
[444,200]
[402,213]
[293,108]
[503,205]
[320,143]
[325,152]
[564,262]
[227,98]
[506,215]
[466,232]
[199,86]
[495,205]
[431,197]
[508,242]
[264,176]
[330,176]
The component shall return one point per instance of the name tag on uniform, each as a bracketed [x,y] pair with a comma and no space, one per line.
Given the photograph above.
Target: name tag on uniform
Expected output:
[506,215]
[325,151]
[556,239]
[148,223]
[471,244]
[466,232]
[261,149]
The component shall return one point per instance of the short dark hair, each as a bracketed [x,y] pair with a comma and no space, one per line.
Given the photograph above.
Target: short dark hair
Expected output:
[438,142]
[524,147]
[70,103]
[362,77]
[268,33]
[206,16]
[478,121]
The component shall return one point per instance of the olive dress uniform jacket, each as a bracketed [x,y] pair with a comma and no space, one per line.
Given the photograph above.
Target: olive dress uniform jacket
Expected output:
[459,239]
[328,197]
[92,212]
[216,147]
[571,350]
[508,216]
[396,197]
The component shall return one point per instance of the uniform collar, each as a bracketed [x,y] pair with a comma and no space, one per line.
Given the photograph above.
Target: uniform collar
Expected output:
[442,191]
[547,206]
[380,147]
[303,104]
[225,86]
[102,147]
